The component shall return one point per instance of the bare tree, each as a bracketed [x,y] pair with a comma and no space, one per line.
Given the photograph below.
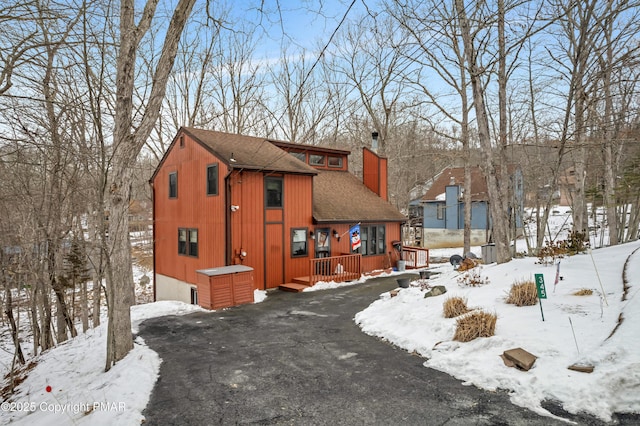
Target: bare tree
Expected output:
[493,168]
[236,83]
[129,138]
[302,103]
[618,23]
[374,64]
[438,50]
[19,39]
[190,96]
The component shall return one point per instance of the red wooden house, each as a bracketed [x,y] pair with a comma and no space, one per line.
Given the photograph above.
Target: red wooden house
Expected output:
[280,210]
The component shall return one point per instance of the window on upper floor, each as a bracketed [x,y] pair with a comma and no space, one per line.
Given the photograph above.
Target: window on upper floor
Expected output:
[212,179]
[335,162]
[316,159]
[173,185]
[300,156]
[273,192]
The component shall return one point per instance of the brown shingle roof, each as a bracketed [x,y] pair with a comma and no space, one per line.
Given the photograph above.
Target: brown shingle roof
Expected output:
[338,196]
[478,183]
[249,152]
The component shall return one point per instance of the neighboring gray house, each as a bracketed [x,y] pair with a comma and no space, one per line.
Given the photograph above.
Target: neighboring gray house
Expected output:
[443,208]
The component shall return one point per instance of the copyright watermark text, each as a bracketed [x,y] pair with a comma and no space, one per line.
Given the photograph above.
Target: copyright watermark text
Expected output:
[75,408]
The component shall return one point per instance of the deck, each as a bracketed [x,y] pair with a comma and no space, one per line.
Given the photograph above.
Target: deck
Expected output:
[348,268]
[335,268]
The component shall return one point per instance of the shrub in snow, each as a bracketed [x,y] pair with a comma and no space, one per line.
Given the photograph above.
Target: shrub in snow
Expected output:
[551,252]
[523,293]
[454,307]
[474,325]
[473,278]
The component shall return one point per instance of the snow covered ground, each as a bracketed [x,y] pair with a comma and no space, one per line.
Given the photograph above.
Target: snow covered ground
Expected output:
[68,385]
[417,324]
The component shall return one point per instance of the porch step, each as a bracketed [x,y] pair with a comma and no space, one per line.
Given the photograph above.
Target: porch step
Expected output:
[302,280]
[294,287]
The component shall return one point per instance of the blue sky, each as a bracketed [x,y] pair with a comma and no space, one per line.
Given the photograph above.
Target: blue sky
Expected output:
[296,23]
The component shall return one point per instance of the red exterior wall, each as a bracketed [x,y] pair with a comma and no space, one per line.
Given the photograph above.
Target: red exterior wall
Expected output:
[191,209]
[374,172]
[265,234]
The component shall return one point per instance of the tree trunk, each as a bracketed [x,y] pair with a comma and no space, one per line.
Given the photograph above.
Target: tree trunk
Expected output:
[61,325]
[97,285]
[128,141]
[608,136]
[467,203]
[64,319]
[47,337]
[84,306]
[8,310]
[35,323]
[120,285]
[492,170]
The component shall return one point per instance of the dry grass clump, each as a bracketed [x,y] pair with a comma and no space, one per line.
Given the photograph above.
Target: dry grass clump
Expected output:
[474,325]
[583,292]
[523,293]
[454,306]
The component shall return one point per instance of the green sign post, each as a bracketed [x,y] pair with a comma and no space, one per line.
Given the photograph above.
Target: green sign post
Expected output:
[542,291]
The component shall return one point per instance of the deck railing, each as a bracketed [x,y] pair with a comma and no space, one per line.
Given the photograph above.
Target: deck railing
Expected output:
[415,257]
[335,268]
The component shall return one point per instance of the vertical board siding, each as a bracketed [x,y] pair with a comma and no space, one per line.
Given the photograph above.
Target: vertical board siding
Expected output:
[247,223]
[370,165]
[191,209]
[383,179]
[298,209]
[374,172]
[274,254]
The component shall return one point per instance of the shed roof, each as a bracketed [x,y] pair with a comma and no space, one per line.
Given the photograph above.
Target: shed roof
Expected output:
[249,152]
[338,196]
[455,176]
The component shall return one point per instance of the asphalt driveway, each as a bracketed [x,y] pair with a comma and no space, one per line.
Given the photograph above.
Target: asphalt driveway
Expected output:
[299,358]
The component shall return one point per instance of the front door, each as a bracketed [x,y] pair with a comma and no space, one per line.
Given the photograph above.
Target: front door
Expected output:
[323,249]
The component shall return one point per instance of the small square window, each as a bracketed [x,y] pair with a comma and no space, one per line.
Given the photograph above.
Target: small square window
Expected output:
[335,162]
[316,160]
[300,156]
